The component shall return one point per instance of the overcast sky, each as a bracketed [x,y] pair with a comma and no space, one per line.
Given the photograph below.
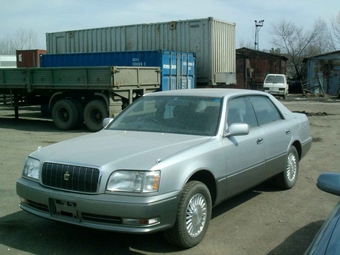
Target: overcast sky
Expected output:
[43,16]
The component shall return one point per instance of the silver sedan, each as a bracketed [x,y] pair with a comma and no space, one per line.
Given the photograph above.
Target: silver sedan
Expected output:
[166,161]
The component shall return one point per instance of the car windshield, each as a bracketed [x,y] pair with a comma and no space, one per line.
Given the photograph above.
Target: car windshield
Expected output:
[274,79]
[171,114]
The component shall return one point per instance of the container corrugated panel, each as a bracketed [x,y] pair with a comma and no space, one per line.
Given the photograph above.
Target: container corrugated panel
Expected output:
[29,58]
[212,40]
[177,68]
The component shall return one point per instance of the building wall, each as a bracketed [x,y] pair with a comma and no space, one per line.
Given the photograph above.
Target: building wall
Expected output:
[252,67]
[324,70]
[8,61]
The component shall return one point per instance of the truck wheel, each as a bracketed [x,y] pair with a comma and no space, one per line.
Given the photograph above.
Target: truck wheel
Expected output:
[193,216]
[94,113]
[80,109]
[65,114]
[288,178]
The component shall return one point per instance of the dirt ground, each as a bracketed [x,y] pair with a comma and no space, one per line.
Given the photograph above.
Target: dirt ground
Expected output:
[260,221]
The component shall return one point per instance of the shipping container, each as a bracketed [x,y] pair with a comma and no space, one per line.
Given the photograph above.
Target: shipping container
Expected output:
[177,68]
[212,40]
[29,58]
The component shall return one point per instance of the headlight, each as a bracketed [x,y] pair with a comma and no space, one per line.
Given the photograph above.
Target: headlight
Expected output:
[31,168]
[134,181]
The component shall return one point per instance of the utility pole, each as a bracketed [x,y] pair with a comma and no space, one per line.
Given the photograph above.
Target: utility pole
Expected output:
[258,25]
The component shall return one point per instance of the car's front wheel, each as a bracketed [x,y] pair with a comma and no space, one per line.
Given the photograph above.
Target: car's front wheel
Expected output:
[288,178]
[193,216]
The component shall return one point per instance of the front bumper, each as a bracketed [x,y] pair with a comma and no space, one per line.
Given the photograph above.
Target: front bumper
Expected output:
[102,211]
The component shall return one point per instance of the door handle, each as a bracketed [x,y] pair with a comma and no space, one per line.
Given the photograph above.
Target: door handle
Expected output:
[288,131]
[259,141]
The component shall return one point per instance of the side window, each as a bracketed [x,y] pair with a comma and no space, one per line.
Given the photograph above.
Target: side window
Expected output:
[241,111]
[265,110]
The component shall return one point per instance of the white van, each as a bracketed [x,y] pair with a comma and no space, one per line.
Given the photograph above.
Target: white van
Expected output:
[276,84]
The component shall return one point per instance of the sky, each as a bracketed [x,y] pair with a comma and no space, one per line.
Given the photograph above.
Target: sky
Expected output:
[43,16]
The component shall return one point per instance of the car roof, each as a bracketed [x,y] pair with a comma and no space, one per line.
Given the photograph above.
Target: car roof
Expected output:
[209,92]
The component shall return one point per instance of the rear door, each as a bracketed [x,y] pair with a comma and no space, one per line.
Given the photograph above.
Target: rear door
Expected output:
[276,133]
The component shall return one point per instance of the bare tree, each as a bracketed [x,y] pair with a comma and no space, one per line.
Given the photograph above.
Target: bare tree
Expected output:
[335,24]
[323,40]
[247,44]
[20,40]
[297,43]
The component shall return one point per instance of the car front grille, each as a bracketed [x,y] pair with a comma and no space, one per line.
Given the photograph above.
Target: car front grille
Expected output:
[70,177]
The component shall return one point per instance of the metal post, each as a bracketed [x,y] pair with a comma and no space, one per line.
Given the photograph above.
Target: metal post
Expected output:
[258,25]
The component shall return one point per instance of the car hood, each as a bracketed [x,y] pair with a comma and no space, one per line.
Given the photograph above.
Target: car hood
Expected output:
[128,149]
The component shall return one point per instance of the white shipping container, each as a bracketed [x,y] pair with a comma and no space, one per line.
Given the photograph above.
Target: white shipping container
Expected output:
[212,40]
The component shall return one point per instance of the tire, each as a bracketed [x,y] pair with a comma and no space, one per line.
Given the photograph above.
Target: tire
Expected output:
[193,216]
[288,178]
[94,113]
[80,109]
[65,114]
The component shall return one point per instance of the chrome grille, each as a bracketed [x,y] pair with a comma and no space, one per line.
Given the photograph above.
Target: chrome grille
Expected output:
[69,177]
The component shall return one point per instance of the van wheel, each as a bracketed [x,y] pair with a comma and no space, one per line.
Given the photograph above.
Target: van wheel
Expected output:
[193,216]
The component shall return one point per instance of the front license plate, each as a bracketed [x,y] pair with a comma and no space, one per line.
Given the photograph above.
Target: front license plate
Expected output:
[61,208]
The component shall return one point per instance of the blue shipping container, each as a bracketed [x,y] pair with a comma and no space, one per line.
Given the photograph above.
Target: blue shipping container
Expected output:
[177,68]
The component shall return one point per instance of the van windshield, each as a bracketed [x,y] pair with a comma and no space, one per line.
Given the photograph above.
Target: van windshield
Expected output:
[274,79]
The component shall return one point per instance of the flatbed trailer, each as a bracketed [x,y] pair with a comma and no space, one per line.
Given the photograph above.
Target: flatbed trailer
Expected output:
[77,94]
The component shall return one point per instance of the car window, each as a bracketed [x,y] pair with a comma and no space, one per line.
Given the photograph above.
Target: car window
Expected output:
[265,110]
[274,79]
[241,111]
[168,114]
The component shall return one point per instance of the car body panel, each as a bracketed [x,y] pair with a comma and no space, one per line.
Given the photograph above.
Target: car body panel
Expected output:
[250,168]
[326,241]
[149,136]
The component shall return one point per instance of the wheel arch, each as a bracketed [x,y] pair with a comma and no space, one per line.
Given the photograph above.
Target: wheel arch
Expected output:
[55,98]
[208,179]
[298,147]
[101,96]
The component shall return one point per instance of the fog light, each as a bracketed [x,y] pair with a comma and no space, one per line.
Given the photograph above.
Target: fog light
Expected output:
[23,200]
[141,222]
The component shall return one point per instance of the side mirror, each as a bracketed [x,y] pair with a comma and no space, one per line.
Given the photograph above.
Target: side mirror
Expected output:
[236,129]
[107,121]
[329,182]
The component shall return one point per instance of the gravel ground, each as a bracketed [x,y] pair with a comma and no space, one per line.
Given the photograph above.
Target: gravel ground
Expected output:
[260,221]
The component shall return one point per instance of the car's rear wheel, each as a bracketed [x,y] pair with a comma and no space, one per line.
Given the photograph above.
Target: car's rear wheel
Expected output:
[193,216]
[288,178]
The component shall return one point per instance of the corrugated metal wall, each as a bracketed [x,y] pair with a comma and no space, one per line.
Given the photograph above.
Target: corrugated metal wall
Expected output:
[212,40]
[326,69]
